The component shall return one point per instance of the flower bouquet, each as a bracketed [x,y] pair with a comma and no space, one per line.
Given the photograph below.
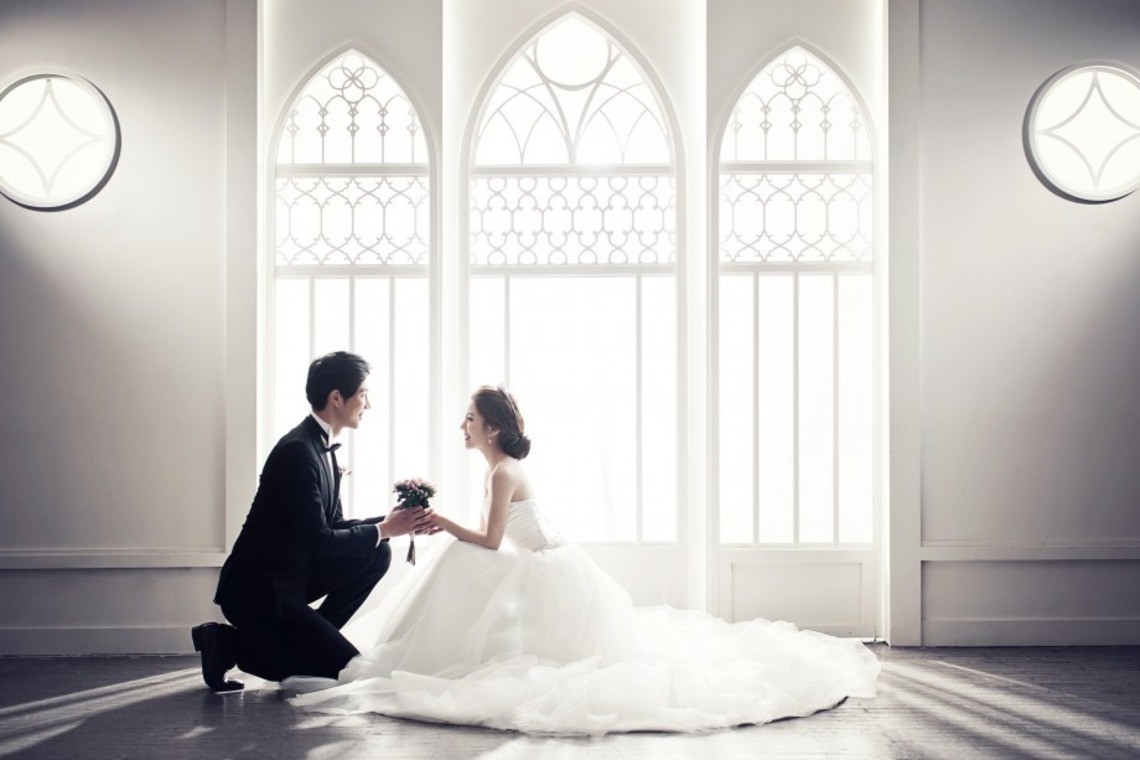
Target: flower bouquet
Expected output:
[413,493]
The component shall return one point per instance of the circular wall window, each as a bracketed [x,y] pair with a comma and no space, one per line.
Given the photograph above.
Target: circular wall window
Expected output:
[1082,132]
[59,140]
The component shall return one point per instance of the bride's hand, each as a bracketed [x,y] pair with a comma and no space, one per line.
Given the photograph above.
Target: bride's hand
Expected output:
[432,527]
[439,522]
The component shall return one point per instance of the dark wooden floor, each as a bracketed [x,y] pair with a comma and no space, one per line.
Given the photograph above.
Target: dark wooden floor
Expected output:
[934,703]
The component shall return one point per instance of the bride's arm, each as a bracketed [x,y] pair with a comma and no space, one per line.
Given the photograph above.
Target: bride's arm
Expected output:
[502,487]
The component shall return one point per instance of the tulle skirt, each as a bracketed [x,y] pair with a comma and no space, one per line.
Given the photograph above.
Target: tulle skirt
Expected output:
[545,642]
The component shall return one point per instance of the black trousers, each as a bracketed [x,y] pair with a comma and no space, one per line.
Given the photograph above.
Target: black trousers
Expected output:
[305,641]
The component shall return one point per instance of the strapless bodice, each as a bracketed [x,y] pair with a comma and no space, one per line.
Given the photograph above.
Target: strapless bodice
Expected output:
[528,528]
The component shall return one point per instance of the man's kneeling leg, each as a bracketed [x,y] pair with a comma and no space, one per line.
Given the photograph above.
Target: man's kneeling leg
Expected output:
[347,582]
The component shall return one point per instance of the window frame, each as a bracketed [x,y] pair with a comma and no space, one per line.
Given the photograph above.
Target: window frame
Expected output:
[267,384]
[466,271]
[874,266]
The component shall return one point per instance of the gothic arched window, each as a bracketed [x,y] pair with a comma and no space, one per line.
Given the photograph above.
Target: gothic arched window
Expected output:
[573,289]
[795,311]
[352,245]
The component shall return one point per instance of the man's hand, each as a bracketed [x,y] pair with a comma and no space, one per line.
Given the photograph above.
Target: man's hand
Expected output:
[400,522]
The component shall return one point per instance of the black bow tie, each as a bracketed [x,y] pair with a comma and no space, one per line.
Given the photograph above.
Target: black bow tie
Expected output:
[332,448]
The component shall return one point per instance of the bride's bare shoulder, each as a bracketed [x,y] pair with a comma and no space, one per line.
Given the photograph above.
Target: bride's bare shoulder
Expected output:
[507,471]
[510,475]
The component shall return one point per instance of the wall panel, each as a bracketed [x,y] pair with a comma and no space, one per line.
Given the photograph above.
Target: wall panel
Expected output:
[1030,602]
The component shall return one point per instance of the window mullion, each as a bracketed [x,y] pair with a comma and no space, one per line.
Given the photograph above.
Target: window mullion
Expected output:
[392,312]
[796,409]
[352,340]
[507,330]
[571,170]
[312,315]
[639,411]
[352,170]
[835,408]
[757,369]
[795,167]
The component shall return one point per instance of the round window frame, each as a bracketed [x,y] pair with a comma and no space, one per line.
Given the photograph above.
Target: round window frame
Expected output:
[1029,134]
[111,121]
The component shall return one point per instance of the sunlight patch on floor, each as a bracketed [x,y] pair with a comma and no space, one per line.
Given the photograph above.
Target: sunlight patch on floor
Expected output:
[27,724]
[1011,717]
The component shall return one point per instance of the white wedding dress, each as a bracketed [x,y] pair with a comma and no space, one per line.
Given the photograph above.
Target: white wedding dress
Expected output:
[537,638]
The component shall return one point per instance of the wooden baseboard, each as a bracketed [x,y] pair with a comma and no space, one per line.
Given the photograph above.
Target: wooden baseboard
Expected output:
[1032,632]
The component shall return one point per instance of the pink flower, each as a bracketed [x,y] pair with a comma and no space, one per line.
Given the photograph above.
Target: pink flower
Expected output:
[414,492]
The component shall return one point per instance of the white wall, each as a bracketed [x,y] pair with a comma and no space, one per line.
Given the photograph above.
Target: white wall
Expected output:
[113,379]
[1027,307]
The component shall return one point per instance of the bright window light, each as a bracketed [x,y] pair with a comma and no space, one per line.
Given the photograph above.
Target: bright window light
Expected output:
[59,140]
[1083,132]
[795,332]
[573,279]
[352,248]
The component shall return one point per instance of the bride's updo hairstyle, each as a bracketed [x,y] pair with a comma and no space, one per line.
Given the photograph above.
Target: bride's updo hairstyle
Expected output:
[498,409]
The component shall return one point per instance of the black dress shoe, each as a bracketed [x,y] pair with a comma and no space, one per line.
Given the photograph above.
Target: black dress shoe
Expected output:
[216,656]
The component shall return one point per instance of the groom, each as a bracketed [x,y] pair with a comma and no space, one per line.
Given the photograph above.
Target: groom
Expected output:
[296,547]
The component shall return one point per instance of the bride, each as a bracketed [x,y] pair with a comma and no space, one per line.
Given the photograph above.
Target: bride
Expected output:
[511,627]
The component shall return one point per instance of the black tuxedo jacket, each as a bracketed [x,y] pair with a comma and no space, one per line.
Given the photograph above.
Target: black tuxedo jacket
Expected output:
[295,520]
